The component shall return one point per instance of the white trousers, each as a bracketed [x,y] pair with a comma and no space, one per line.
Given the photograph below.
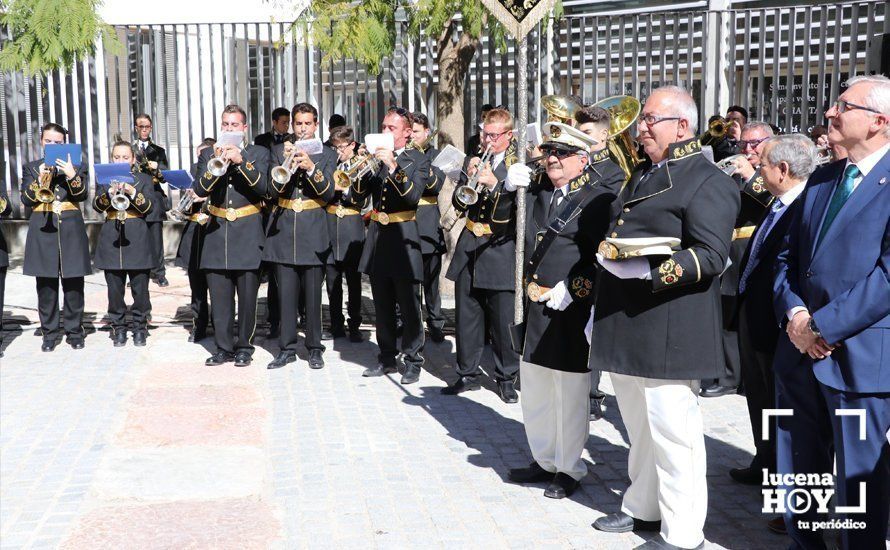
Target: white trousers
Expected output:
[556,412]
[667,465]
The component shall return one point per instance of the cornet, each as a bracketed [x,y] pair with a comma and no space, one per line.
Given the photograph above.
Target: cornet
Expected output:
[120,201]
[217,166]
[44,193]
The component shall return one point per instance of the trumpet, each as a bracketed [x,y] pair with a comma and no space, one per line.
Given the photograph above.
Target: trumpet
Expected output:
[120,201]
[357,168]
[217,166]
[467,194]
[282,174]
[44,192]
[716,131]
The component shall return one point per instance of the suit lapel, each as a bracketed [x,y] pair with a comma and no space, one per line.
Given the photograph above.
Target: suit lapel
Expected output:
[815,207]
[542,207]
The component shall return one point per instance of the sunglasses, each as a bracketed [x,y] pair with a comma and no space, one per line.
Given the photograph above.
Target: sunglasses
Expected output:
[558,153]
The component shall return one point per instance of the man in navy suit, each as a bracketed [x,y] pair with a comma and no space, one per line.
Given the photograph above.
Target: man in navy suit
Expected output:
[786,163]
[832,366]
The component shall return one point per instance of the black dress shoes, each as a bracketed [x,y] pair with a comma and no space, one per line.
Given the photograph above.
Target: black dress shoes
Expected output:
[619,522]
[139,339]
[379,370]
[718,390]
[507,392]
[596,407]
[284,357]
[48,346]
[411,374]
[242,359]
[162,281]
[119,338]
[658,543]
[436,335]
[76,344]
[464,383]
[315,360]
[752,475]
[355,335]
[562,486]
[532,474]
[219,358]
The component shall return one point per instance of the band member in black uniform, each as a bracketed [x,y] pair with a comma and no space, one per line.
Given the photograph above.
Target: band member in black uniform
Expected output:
[595,122]
[347,231]
[5,210]
[188,256]
[151,158]
[391,256]
[57,246]
[279,132]
[567,218]
[755,202]
[233,238]
[483,262]
[297,238]
[124,248]
[432,240]
[657,317]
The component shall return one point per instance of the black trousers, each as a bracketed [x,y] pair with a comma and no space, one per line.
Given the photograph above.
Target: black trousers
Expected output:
[223,284]
[48,307]
[199,304]
[2,293]
[295,281]
[116,280]
[273,316]
[473,307]
[432,302]
[335,273]
[387,293]
[156,235]
[760,393]
[733,376]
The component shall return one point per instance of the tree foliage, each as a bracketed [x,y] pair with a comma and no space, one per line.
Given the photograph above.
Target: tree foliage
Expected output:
[51,34]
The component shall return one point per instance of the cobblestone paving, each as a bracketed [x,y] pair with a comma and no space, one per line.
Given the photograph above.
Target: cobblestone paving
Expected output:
[147,448]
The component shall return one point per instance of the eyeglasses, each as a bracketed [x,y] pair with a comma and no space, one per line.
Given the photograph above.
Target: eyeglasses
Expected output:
[752,143]
[844,106]
[494,136]
[559,153]
[144,127]
[342,147]
[652,120]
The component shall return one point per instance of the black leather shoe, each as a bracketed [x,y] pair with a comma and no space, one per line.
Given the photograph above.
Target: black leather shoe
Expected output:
[119,338]
[464,383]
[315,359]
[562,486]
[596,407]
[436,335]
[411,374]
[139,339]
[242,359]
[619,522]
[532,474]
[718,390]
[284,357]
[162,281]
[76,344]
[507,392]
[379,370]
[48,346]
[658,543]
[751,475]
[338,332]
[219,358]
[355,335]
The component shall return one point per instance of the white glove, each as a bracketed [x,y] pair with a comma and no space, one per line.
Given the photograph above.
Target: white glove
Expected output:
[588,330]
[518,175]
[631,268]
[557,298]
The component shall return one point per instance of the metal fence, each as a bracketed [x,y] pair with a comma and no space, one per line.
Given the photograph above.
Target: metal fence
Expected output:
[784,64]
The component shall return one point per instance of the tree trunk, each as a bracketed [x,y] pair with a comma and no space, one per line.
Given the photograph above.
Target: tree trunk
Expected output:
[454,63]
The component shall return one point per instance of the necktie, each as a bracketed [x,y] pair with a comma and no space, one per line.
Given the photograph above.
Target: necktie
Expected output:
[554,203]
[840,196]
[766,225]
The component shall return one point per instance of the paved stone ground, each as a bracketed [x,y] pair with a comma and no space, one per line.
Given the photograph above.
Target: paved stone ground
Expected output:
[147,448]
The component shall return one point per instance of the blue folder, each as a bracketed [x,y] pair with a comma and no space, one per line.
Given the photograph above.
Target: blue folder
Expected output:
[61,151]
[118,171]
[178,179]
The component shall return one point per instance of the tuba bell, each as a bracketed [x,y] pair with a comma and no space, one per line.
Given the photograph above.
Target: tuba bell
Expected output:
[560,109]
[624,110]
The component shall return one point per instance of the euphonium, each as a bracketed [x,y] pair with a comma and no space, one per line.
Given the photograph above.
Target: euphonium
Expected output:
[560,109]
[217,166]
[44,192]
[624,110]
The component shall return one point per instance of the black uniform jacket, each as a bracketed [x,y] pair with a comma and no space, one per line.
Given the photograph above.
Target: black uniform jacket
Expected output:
[301,238]
[125,244]
[234,245]
[432,240]
[490,258]
[57,244]
[755,202]
[393,249]
[5,209]
[188,253]
[725,148]
[555,339]
[346,228]
[160,202]
[153,152]
[669,327]
[267,140]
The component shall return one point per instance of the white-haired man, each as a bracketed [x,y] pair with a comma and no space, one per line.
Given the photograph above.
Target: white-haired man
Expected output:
[656,325]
